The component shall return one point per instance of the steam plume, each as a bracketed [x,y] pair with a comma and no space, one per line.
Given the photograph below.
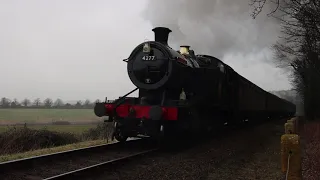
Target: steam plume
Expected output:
[215,27]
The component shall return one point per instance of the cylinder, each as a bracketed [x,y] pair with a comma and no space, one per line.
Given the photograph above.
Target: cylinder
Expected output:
[100,110]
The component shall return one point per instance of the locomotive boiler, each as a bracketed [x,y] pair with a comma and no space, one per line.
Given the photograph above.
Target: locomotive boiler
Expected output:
[184,93]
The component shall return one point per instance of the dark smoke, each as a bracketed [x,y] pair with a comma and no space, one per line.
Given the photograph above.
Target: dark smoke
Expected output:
[216,27]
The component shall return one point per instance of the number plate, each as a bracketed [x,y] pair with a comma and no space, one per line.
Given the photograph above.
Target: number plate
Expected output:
[149,58]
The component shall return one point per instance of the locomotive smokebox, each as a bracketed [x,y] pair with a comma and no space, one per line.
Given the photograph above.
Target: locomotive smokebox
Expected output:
[161,34]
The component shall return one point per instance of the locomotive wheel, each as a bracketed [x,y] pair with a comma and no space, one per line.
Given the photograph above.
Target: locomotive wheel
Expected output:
[119,135]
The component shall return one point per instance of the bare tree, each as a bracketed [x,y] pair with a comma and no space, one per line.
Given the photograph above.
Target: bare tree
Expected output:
[37,102]
[26,102]
[299,47]
[14,103]
[58,103]
[78,104]
[68,105]
[5,102]
[47,103]
[258,5]
[87,103]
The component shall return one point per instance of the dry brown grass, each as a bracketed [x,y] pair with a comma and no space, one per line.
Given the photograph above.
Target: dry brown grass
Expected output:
[311,157]
[39,152]
[23,139]
[101,131]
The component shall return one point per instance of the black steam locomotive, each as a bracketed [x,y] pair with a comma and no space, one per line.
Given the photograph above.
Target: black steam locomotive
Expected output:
[181,92]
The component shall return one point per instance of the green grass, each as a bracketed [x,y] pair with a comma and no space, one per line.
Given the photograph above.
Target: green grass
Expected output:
[74,129]
[13,116]
[72,125]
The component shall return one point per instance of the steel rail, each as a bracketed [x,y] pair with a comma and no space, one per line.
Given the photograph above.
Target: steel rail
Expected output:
[23,163]
[97,169]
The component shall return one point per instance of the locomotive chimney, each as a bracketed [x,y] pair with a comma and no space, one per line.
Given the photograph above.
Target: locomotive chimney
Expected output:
[161,34]
[184,49]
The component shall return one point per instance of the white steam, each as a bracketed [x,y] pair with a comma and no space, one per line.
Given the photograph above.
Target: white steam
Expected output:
[224,29]
[215,27]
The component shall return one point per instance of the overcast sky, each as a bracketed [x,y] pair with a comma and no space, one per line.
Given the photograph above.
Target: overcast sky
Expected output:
[73,49]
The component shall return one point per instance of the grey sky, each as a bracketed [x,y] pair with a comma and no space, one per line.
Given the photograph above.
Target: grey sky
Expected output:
[73,49]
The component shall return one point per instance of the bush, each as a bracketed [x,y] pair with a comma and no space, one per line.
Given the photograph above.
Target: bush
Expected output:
[61,123]
[21,139]
[102,131]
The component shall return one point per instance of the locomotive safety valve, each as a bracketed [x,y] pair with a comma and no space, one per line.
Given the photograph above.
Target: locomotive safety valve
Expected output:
[184,49]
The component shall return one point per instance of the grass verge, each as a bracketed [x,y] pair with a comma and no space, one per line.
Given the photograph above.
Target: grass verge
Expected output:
[23,139]
[311,158]
[39,152]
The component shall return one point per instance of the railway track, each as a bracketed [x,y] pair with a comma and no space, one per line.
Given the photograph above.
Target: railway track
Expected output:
[123,167]
[97,169]
[75,163]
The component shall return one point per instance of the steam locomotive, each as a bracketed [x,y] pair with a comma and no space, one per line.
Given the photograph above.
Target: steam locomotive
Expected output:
[184,93]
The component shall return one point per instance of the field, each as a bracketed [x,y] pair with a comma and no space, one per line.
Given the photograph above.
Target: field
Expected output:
[74,128]
[80,119]
[47,116]
[22,130]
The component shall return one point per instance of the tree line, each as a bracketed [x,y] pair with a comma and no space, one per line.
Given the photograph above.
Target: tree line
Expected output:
[46,103]
[298,49]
